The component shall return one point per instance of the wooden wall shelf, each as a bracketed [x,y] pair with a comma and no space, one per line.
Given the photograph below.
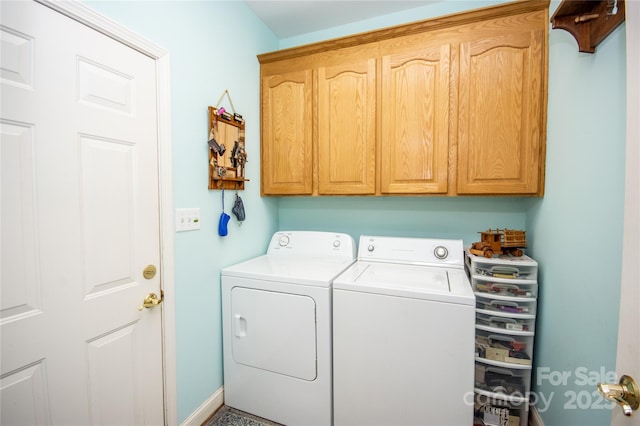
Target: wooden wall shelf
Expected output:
[226,169]
[589,21]
[227,183]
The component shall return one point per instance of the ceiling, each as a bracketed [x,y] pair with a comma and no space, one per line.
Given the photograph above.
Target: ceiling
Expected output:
[288,18]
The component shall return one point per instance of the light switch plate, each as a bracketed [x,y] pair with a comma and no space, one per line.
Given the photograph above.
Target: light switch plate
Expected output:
[187,219]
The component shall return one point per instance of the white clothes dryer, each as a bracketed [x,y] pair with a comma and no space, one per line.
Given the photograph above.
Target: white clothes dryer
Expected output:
[403,335]
[276,317]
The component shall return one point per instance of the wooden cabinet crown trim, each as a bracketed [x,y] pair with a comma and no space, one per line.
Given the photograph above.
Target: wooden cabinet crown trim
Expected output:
[441,22]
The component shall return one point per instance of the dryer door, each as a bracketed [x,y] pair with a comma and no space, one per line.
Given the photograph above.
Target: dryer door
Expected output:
[274,331]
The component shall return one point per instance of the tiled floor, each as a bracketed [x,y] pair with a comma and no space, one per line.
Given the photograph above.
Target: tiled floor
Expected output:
[230,416]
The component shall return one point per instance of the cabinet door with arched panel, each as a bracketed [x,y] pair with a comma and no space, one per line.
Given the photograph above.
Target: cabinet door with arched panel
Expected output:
[287,121]
[501,111]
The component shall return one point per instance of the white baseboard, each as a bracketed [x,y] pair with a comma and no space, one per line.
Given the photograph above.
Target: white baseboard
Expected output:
[206,410]
[534,416]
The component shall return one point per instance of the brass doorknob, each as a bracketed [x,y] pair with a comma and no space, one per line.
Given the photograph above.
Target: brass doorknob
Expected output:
[626,394]
[152,300]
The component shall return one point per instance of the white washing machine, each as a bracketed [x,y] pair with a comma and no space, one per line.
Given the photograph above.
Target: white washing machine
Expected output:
[276,317]
[403,335]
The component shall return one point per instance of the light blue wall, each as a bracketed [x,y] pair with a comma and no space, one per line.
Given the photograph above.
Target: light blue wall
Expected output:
[575,231]
[438,8]
[437,217]
[213,47]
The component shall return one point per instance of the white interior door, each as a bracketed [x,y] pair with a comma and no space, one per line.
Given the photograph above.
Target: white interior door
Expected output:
[628,355]
[79,223]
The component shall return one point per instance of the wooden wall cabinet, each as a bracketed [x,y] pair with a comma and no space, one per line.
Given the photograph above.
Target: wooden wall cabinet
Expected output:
[346,114]
[501,106]
[449,106]
[414,145]
[318,125]
[286,125]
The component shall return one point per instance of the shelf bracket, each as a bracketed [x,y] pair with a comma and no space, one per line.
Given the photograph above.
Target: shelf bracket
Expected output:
[588,21]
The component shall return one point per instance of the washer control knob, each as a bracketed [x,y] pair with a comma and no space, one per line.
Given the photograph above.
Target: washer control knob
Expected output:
[336,243]
[283,240]
[371,248]
[441,252]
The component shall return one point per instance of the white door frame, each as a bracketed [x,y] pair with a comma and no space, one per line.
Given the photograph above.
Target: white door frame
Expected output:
[629,324]
[90,18]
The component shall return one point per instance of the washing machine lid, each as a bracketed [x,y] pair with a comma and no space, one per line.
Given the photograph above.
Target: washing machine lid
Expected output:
[303,270]
[407,280]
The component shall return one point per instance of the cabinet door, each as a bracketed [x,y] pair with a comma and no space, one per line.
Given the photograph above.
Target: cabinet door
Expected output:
[287,150]
[415,121]
[346,128]
[500,124]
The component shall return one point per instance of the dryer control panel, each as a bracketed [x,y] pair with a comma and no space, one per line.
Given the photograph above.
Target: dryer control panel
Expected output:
[312,243]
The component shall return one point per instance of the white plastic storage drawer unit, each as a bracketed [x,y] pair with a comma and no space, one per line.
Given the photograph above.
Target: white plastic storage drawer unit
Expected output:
[513,383]
[495,286]
[507,323]
[504,348]
[506,289]
[511,306]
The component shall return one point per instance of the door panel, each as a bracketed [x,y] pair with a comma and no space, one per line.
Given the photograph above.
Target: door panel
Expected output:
[108,249]
[80,221]
[25,388]
[286,158]
[274,331]
[101,86]
[20,289]
[346,128]
[109,370]
[499,132]
[415,124]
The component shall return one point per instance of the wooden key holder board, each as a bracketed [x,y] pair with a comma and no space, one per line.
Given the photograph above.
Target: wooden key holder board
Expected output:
[227,155]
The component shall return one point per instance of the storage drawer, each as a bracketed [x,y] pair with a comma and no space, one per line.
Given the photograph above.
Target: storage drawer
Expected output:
[501,348]
[505,269]
[511,382]
[505,322]
[505,288]
[506,305]
[486,407]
